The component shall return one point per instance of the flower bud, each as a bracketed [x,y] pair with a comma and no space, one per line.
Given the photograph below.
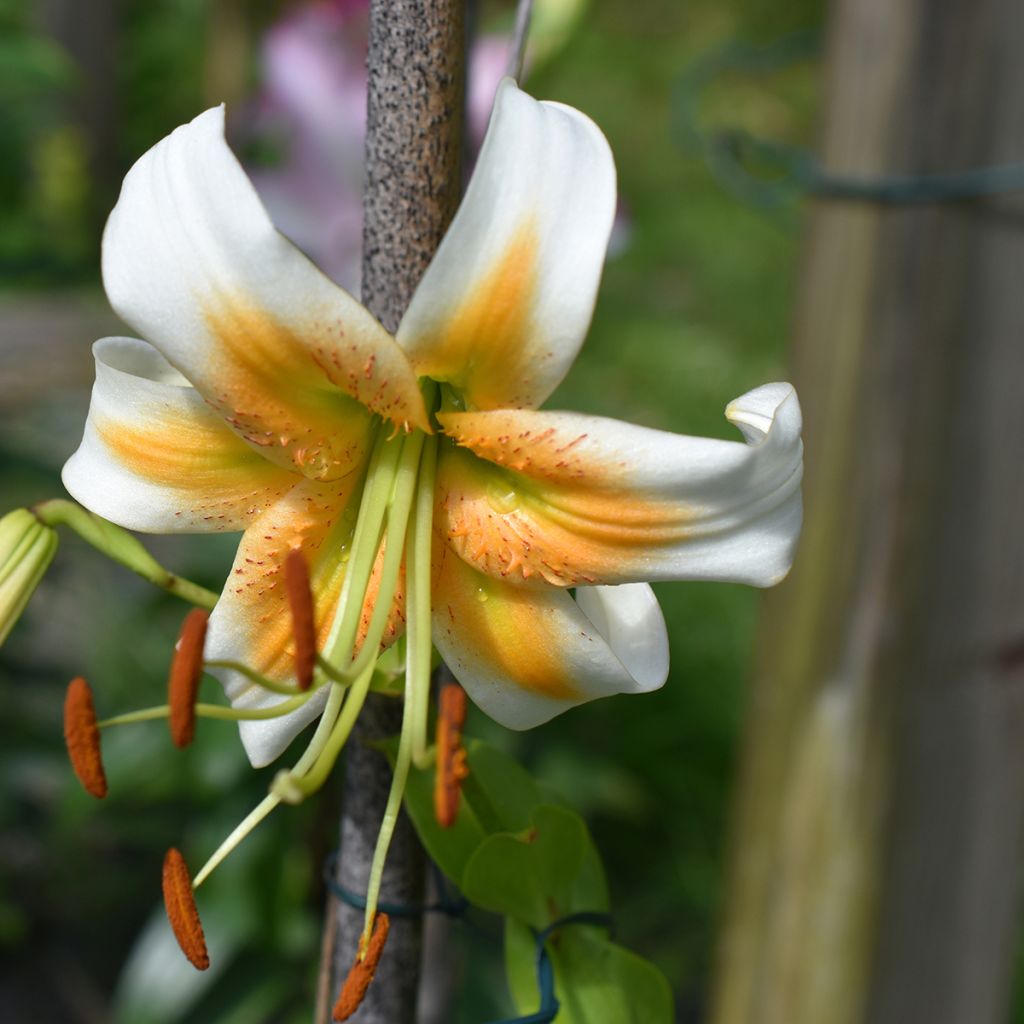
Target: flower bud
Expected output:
[27,547]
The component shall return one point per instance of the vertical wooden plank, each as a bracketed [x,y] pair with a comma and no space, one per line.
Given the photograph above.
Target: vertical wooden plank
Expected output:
[878,823]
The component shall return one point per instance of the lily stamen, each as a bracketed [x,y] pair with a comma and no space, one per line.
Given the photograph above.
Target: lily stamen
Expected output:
[321,736]
[451,767]
[183,680]
[354,990]
[182,912]
[300,601]
[82,736]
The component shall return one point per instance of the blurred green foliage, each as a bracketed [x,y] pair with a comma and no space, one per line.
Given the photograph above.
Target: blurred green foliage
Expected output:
[692,313]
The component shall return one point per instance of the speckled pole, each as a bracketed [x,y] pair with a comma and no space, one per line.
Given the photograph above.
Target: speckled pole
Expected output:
[413,148]
[413,145]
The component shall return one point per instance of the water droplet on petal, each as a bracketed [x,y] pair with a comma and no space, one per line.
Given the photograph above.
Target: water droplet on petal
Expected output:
[502,498]
[481,594]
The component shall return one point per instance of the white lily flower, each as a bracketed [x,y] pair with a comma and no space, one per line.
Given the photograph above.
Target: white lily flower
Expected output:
[401,485]
[266,399]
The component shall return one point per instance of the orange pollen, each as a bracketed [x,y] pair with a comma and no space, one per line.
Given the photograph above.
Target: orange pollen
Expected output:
[82,736]
[452,766]
[181,910]
[300,599]
[353,992]
[183,681]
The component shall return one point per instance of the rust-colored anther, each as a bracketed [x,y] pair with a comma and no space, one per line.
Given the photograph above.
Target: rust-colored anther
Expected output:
[300,600]
[181,910]
[183,681]
[82,736]
[452,766]
[353,992]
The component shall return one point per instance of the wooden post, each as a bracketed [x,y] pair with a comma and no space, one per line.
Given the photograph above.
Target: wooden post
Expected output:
[413,148]
[877,838]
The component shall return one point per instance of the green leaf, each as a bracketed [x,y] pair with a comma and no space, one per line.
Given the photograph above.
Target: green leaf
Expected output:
[498,796]
[529,875]
[597,981]
[500,790]
[449,848]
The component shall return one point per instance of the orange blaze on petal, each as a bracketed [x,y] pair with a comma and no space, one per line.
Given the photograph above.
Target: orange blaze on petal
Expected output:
[180,904]
[514,527]
[82,736]
[300,599]
[353,991]
[221,480]
[484,341]
[451,767]
[275,395]
[183,679]
[510,627]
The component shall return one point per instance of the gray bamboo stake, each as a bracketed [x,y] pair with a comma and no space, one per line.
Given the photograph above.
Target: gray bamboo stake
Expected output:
[413,146]
[875,870]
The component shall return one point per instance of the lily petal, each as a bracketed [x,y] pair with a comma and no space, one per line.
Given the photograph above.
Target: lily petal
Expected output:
[503,307]
[155,457]
[573,499]
[192,261]
[252,620]
[525,654]
[630,619]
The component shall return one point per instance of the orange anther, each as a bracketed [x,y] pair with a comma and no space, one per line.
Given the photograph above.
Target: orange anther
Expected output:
[183,681]
[181,910]
[300,600]
[82,736]
[451,767]
[353,992]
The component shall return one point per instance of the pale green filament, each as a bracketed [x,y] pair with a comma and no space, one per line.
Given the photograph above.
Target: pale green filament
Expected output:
[294,786]
[399,507]
[418,580]
[288,785]
[365,544]
[326,669]
[244,827]
[253,676]
[284,707]
[269,802]
[387,826]
[417,671]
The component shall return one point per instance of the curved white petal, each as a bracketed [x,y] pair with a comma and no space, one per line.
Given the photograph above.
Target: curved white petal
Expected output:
[155,457]
[503,307]
[570,499]
[192,261]
[630,619]
[525,654]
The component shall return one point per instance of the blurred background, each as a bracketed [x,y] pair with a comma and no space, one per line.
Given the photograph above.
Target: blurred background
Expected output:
[696,308]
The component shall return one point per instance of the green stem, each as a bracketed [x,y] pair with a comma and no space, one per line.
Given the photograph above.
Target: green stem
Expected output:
[122,547]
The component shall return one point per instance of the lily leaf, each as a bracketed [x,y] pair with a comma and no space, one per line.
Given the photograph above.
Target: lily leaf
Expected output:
[529,875]
[596,980]
[498,796]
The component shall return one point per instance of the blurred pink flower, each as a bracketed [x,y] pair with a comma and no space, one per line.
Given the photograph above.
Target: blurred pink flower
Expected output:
[313,105]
